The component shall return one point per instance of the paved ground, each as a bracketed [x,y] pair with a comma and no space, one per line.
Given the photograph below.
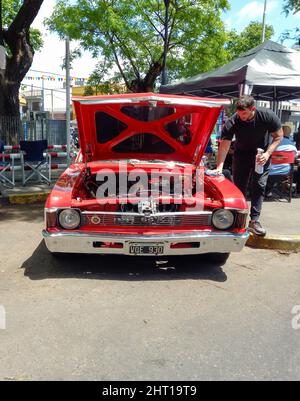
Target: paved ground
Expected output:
[281,217]
[104,318]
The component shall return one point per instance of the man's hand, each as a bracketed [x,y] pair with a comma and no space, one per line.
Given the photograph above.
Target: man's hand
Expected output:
[263,158]
[214,172]
[217,171]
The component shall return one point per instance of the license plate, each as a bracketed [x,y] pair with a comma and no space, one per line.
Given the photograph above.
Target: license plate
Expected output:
[146,249]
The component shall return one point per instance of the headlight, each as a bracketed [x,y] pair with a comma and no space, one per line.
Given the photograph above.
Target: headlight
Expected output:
[222,219]
[69,219]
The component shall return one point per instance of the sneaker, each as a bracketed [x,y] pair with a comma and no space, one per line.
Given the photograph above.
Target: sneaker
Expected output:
[256,228]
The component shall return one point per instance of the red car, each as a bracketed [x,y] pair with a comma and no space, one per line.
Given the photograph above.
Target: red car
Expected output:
[139,187]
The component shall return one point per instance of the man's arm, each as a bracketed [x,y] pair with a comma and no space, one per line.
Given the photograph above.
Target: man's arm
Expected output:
[222,153]
[277,137]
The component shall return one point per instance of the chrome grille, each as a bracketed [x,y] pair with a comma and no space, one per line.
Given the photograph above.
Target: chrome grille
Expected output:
[152,220]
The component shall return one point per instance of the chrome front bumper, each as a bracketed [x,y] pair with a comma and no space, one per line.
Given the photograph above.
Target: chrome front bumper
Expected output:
[74,242]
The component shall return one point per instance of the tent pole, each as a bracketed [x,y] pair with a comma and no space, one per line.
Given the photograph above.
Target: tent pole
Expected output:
[241,89]
[245,89]
[275,103]
[280,110]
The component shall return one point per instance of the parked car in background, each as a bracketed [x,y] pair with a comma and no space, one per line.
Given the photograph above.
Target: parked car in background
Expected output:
[138,186]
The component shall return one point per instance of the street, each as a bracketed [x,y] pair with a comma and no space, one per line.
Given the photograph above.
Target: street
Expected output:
[116,318]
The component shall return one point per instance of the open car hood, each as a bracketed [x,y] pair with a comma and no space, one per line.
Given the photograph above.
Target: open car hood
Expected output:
[145,126]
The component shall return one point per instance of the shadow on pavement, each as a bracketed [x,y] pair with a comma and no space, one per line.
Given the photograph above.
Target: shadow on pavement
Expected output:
[43,265]
[30,213]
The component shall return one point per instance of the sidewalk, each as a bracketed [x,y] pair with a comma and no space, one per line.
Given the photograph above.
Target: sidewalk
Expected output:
[32,192]
[282,222]
[280,218]
[28,194]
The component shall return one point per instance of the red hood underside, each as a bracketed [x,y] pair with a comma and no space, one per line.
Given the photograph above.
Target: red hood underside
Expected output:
[145,126]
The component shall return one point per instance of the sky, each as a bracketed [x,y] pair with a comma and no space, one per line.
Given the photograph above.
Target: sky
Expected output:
[243,12]
[49,59]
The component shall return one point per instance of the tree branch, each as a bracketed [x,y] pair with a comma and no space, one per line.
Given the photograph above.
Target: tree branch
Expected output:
[117,61]
[25,16]
[19,64]
[151,23]
[127,53]
[150,78]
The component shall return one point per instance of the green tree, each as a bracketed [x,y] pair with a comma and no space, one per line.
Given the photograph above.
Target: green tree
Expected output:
[98,84]
[250,37]
[129,36]
[17,45]
[291,6]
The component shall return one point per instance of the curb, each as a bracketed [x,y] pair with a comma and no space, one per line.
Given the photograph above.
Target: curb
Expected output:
[25,199]
[276,242]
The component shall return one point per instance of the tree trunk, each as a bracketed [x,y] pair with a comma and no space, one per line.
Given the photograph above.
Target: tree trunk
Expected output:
[147,84]
[9,98]
[16,40]
[10,124]
[17,67]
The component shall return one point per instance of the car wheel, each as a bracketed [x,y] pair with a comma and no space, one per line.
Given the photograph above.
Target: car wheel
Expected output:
[218,257]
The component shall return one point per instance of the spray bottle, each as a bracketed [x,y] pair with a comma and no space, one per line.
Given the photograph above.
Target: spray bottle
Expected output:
[259,168]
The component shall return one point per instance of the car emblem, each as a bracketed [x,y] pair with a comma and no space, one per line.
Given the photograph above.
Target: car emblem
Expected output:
[147,207]
[95,220]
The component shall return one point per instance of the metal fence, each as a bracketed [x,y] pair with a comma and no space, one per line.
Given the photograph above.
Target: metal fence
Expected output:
[13,129]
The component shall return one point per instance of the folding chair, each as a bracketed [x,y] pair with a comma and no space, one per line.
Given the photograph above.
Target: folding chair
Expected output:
[281,185]
[35,160]
[7,164]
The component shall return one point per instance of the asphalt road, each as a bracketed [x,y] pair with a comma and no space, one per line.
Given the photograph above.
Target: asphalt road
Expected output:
[105,318]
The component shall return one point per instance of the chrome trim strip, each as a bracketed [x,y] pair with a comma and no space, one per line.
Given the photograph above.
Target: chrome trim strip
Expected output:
[235,209]
[134,237]
[51,209]
[171,214]
[167,100]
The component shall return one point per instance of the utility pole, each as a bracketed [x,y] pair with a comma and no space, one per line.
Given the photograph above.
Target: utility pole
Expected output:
[164,78]
[43,95]
[52,104]
[43,107]
[68,99]
[31,98]
[2,44]
[263,36]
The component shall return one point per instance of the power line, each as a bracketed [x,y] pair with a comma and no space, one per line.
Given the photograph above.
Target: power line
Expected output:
[39,87]
[49,73]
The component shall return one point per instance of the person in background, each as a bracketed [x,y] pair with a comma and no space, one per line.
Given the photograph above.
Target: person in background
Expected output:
[296,138]
[253,128]
[286,145]
[209,152]
[1,151]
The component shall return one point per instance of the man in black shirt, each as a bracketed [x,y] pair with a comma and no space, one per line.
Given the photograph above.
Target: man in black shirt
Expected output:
[253,128]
